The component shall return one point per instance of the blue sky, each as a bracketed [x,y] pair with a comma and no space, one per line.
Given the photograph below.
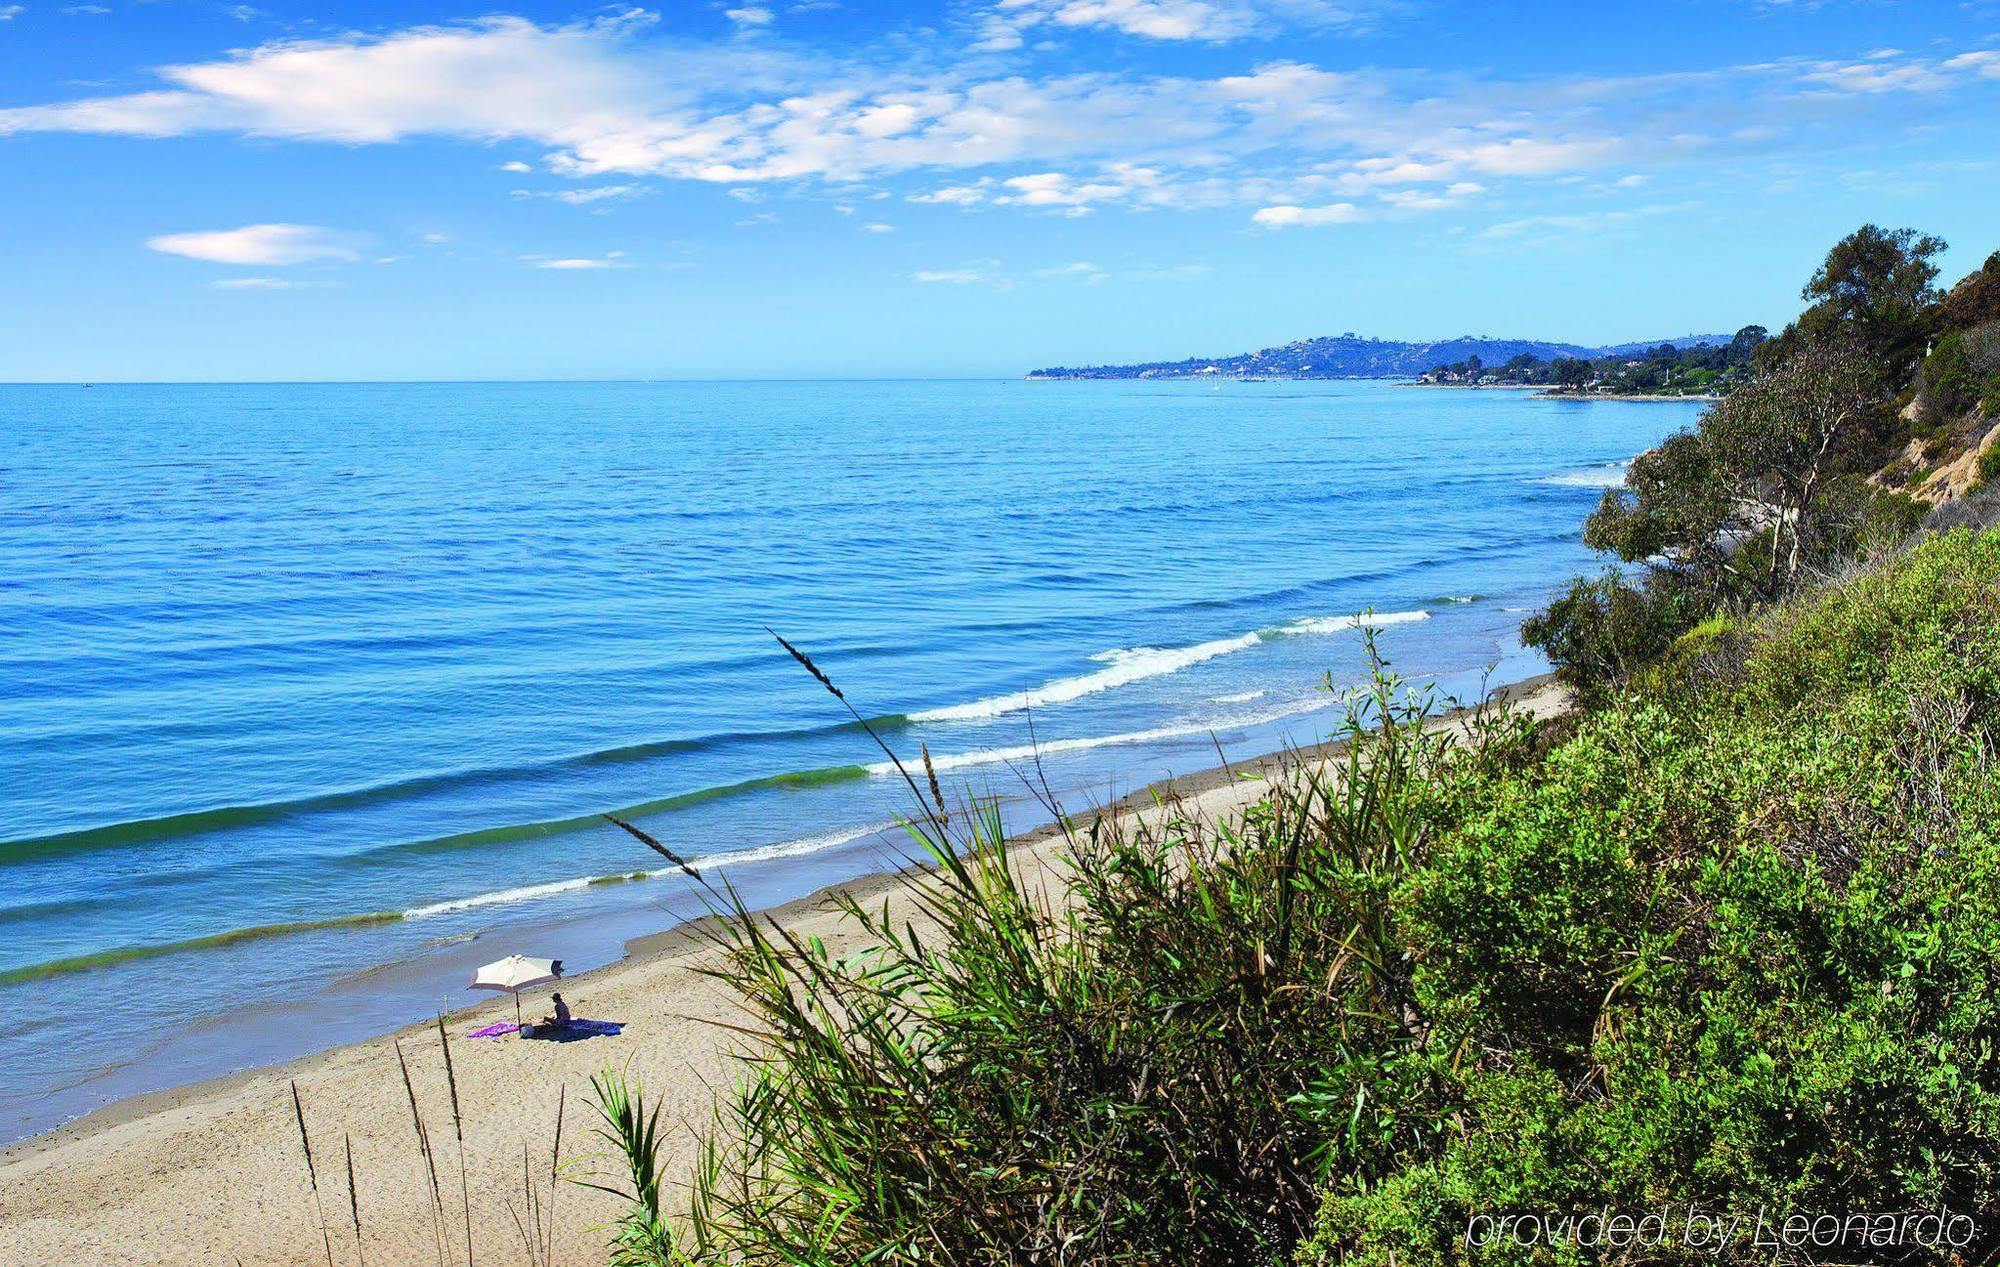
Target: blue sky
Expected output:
[200,190]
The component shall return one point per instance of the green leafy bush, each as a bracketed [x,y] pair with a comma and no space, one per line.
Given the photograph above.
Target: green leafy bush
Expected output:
[1950,382]
[1988,465]
[1732,952]
[1600,630]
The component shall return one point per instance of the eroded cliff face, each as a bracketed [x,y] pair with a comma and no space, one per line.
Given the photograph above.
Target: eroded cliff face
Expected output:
[1953,410]
[1951,473]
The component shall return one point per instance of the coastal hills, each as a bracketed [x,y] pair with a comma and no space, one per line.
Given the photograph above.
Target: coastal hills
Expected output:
[1353,356]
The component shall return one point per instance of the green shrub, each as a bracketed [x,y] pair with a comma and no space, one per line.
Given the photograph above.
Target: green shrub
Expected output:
[1734,952]
[1599,631]
[1988,464]
[1950,384]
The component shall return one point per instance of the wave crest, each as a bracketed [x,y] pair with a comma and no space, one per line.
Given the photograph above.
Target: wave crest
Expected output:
[1610,475]
[1340,624]
[1122,667]
[1126,665]
[1048,747]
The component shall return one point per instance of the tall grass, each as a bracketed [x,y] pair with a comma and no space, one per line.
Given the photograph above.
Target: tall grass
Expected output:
[312,1173]
[458,1132]
[424,1151]
[1129,1064]
[536,1219]
[538,1229]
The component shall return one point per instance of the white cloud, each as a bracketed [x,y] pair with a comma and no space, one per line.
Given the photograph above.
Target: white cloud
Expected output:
[971,274]
[264,244]
[878,227]
[1875,75]
[492,79]
[610,101]
[1155,19]
[1004,25]
[8,12]
[605,104]
[1074,196]
[956,195]
[254,283]
[1573,226]
[1287,216]
[749,15]
[610,259]
[599,193]
[1984,62]
[1082,270]
[1177,273]
[516,165]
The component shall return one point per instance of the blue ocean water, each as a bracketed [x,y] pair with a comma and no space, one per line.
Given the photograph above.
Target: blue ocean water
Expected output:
[311,695]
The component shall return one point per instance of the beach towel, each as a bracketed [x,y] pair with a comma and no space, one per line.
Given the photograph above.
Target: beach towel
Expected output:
[576,1031]
[494,1030]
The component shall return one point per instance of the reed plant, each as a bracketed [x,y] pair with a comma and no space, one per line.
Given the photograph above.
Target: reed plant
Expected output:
[1724,942]
[1160,1056]
[535,1218]
[312,1174]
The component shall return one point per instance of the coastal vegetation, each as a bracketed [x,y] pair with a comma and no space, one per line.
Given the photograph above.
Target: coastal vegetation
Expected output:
[1667,369]
[1845,436]
[1713,955]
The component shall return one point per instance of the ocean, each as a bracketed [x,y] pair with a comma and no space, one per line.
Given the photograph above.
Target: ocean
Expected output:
[312,696]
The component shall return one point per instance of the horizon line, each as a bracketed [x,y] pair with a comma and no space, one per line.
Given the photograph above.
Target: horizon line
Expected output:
[473,382]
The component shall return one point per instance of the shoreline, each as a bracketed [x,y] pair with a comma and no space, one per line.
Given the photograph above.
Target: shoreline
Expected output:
[154,1173]
[1544,392]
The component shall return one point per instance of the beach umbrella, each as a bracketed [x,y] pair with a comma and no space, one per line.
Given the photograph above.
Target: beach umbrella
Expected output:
[514,974]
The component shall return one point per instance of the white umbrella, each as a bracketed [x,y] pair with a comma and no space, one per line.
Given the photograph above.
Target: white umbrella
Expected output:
[516,973]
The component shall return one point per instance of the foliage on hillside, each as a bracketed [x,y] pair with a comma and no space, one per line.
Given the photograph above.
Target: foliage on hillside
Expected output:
[1703,368]
[1731,945]
[1779,483]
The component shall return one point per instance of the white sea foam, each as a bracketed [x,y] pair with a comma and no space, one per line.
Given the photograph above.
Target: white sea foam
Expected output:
[788,848]
[1610,475]
[1338,624]
[1241,697]
[1050,747]
[499,897]
[761,853]
[1122,668]
[1127,665]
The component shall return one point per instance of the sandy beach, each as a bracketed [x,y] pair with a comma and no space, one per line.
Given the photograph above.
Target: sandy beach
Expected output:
[213,1173]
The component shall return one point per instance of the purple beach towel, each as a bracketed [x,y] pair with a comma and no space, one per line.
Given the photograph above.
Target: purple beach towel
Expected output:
[494,1030]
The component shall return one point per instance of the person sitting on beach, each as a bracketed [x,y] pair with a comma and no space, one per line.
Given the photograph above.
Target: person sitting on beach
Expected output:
[562,1014]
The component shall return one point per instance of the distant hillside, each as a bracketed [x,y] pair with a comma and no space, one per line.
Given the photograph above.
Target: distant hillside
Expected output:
[1352,356]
